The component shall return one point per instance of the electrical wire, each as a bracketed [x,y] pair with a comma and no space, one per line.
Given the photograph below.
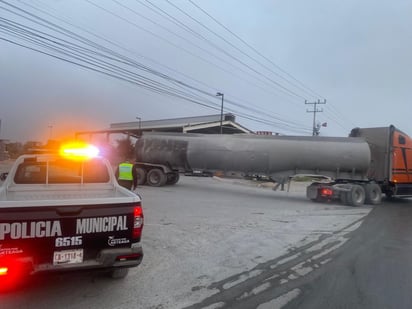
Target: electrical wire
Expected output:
[303,86]
[287,90]
[88,57]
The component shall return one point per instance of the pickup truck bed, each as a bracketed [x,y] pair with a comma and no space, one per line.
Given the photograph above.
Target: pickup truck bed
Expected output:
[60,196]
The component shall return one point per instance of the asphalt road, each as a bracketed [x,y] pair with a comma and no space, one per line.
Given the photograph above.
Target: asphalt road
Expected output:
[372,269]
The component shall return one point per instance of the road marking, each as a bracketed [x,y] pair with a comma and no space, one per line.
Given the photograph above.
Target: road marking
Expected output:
[242,278]
[280,301]
[256,290]
[215,306]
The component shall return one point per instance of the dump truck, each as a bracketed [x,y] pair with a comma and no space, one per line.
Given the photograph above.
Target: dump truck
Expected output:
[362,166]
[65,211]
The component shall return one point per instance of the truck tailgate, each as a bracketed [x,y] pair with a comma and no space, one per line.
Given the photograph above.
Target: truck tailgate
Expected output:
[67,237]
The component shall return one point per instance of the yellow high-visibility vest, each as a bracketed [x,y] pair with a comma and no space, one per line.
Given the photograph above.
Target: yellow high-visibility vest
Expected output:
[125,171]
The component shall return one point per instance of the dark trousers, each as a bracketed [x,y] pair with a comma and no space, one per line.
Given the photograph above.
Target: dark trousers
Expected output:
[126,183]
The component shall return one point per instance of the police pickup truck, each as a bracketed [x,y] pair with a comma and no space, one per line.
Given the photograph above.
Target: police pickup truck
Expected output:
[66,211]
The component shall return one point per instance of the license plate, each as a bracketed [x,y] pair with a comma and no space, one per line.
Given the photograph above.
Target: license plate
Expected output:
[68,257]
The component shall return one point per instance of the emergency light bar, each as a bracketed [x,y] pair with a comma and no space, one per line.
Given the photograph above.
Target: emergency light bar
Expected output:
[79,151]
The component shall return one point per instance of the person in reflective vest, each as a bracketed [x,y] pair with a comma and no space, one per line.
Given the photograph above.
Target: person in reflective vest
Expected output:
[126,175]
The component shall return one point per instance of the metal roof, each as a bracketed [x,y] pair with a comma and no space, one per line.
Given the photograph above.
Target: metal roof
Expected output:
[199,124]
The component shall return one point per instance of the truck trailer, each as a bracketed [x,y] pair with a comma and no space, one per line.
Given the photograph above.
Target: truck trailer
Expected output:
[362,166]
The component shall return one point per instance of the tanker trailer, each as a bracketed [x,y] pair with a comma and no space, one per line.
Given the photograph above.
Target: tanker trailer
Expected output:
[161,156]
[369,162]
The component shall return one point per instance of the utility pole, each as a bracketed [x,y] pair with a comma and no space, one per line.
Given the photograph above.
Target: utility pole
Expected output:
[314,111]
[219,94]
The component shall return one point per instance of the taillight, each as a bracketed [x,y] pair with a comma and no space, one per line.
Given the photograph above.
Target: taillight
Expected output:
[326,192]
[4,271]
[137,222]
[12,272]
[133,256]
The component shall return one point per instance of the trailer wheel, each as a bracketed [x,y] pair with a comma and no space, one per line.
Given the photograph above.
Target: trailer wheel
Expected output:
[356,196]
[373,194]
[172,178]
[141,175]
[156,178]
[119,273]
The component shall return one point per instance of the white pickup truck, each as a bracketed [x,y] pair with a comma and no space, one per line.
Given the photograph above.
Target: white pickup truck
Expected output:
[66,211]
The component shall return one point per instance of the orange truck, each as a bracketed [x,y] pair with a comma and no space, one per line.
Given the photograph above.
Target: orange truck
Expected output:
[391,158]
[389,170]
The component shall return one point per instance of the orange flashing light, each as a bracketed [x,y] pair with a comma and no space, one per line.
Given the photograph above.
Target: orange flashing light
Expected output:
[79,151]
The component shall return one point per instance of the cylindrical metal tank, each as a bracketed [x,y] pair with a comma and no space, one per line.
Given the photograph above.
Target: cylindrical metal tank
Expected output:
[275,156]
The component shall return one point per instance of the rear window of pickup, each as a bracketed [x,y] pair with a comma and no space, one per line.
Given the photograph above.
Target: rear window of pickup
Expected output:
[61,171]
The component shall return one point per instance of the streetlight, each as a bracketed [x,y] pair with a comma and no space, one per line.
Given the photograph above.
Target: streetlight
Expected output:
[51,130]
[140,125]
[219,94]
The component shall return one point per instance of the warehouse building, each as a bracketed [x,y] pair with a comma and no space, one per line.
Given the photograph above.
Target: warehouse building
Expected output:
[210,124]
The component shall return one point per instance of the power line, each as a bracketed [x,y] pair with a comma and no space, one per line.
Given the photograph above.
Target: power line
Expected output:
[291,92]
[126,79]
[190,42]
[156,9]
[147,83]
[302,86]
[189,52]
[90,61]
[159,11]
[177,22]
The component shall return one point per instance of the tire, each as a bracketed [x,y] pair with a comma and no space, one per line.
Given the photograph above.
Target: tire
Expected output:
[119,273]
[321,199]
[344,197]
[311,191]
[141,176]
[156,178]
[356,196]
[373,194]
[172,178]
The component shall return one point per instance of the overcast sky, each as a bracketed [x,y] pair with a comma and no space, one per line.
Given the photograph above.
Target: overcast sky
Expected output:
[266,56]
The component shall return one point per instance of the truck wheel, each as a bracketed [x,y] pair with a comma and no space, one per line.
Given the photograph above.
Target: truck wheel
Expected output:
[344,197]
[172,178]
[141,176]
[119,273]
[311,191]
[356,196]
[373,194]
[156,178]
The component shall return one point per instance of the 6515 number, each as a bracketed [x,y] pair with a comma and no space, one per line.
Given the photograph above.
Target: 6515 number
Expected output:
[68,241]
